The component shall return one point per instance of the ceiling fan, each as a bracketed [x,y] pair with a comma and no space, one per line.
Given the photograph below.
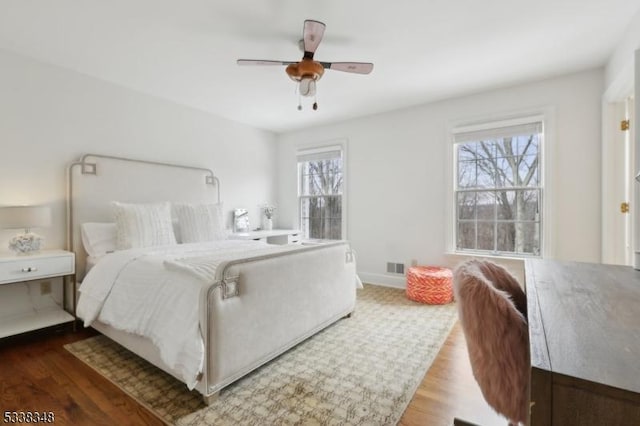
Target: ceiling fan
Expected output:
[307,71]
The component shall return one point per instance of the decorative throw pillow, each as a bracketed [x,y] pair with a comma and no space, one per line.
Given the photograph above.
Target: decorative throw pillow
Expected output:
[98,238]
[143,225]
[200,222]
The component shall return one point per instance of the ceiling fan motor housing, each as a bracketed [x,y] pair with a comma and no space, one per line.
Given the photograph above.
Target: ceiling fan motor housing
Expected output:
[305,69]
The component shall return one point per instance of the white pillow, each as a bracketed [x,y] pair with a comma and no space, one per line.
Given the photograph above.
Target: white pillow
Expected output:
[200,222]
[143,225]
[98,239]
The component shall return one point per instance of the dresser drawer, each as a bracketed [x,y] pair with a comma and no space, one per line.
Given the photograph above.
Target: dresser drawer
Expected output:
[294,239]
[30,268]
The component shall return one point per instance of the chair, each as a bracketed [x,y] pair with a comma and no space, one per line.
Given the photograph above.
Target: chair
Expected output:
[492,312]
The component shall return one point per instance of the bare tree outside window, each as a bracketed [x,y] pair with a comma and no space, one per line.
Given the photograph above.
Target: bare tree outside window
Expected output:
[320,197]
[498,195]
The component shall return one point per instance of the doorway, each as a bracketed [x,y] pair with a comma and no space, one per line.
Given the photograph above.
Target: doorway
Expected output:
[618,177]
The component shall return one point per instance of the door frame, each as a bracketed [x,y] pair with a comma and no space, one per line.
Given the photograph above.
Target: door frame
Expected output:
[617,233]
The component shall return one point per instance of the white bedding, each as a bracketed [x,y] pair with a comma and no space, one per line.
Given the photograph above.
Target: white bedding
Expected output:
[154,292]
[90,262]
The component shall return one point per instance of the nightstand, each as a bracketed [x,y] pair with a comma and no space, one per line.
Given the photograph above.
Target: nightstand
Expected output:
[44,264]
[274,236]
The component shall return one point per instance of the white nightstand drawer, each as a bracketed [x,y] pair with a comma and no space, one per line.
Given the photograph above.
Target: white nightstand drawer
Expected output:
[294,239]
[24,268]
[273,236]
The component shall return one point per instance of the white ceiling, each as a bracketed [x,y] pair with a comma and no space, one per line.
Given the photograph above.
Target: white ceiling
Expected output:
[422,50]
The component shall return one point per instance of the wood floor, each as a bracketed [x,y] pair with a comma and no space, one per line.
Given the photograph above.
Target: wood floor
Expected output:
[449,390]
[40,375]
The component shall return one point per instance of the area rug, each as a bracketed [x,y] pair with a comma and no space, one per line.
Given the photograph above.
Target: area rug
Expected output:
[362,370]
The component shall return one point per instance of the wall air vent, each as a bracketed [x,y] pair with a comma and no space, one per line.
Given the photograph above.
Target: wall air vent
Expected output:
[395,268]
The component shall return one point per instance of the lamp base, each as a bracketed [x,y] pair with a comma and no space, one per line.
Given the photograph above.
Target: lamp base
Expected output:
[26,243]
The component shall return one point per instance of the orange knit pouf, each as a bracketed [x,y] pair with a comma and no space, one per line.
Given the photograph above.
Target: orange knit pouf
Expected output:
[430,284]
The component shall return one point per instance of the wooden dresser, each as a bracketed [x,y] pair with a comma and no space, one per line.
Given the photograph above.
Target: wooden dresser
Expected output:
[584,331]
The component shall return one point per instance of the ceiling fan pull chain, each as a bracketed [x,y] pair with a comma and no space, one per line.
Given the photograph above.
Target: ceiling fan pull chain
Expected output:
[299,101]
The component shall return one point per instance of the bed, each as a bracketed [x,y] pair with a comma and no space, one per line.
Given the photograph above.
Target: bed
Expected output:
[243,302]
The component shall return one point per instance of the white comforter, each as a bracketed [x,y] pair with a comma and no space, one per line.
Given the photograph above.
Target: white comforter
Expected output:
[154,292]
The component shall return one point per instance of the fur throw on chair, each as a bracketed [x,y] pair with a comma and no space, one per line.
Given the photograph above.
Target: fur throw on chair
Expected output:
[492,311]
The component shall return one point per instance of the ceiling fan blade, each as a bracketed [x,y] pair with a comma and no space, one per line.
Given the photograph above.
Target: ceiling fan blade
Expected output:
[312,36]
[354,67]
[262,62]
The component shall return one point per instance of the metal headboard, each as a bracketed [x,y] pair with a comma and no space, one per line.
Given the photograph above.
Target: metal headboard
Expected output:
[110,178]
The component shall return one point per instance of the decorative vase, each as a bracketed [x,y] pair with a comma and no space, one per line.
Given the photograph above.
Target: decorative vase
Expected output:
[267,224]
[26,243]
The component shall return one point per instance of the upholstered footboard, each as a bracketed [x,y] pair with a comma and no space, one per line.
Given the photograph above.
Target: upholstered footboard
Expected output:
[262,306]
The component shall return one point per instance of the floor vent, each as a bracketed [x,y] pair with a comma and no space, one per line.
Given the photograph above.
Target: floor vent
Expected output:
[395,268]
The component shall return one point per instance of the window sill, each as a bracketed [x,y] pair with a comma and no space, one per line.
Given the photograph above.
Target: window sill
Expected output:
[515,265]
[510,262]
[472,254]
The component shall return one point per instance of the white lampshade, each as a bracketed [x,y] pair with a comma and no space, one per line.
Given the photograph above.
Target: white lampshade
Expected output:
[25,217]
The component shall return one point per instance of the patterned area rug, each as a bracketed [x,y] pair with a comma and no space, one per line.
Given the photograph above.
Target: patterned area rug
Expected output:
[360,371]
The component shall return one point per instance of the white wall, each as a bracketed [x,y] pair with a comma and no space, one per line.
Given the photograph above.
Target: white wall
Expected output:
[49,116]
[619,69]
[397,164]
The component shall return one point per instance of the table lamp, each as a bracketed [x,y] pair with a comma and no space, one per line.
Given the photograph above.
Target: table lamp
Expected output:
[25,217]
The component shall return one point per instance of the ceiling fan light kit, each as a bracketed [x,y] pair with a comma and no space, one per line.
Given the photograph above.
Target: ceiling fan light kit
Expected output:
[307,87]
[307,71]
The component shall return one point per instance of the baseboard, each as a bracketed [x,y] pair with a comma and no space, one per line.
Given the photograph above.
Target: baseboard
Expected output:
[383,280]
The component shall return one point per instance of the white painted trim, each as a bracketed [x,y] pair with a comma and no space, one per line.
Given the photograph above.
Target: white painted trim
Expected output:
[613,176]
[318,149]
[632,104]
[548,116]
[383,285]
[635,155]
[607,253]
[496,124]
[450,176]
[618,91]
[307,147]
[549,156]
[383,280]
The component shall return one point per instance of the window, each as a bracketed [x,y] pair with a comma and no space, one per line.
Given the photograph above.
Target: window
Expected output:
[321,192]
[498,189]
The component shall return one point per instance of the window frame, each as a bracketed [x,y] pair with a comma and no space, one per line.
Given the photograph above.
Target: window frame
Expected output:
[546,116]
[319,148]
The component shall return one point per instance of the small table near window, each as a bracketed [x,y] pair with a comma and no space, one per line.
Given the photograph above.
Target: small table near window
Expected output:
[274,236]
